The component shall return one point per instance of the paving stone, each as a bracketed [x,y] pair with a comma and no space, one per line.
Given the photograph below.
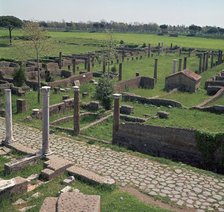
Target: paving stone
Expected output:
[90,176]
[49,204]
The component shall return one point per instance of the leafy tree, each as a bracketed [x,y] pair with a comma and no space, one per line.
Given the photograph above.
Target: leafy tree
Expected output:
[11,23]
[164,28]
[104,91]
[194,29]
[212,30]
[19,77]
[38,43]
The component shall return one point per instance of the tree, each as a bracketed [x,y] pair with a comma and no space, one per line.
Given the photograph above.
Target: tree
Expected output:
[194,29]
[212,30]
[37,42]
[104,91]
[11,23]
[164,28]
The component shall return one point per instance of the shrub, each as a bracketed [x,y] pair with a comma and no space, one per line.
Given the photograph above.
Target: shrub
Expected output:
[113,69]
[19,77]
[104,92]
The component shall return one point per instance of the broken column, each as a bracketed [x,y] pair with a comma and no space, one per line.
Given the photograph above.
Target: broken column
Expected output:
[76,111]
[85,63]
[174,66]
[120,72]
[88,64]
[8,117]
[116,115]
[180,65]
[155,69]
[74,65]
[206,61]
[185,63]
[203,62]
[60,60]
[45,119]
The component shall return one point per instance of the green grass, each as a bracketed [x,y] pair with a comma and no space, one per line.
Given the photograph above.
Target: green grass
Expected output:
[77,42]
[102,131]
[220,101]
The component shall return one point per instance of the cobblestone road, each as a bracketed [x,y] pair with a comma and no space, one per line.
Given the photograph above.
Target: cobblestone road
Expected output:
[184,187]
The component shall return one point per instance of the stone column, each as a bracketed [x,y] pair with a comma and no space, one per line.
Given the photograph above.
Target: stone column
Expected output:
[45,119]
[120,72]
[88,64]
[76,111]
[206,61]
[185,63]
[180,65]
[21,105]
[104,66]
[123,55]
[8,117]
[116,116]
[149,50]
[200,63]
[155,69]
[174,66]
[60,60]
[74,65]
[180,52]
[85,64]
[203,62]
[212,59]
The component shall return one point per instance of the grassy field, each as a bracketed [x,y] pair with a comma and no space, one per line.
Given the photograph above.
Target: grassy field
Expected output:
[77,42]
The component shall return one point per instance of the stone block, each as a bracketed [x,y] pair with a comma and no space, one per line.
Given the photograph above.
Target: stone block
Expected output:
[21,105]
[163,114]
[77,202]
[49,204]
[89,176]
[126,109]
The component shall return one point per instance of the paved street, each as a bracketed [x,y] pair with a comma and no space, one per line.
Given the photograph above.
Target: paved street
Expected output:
[181,186]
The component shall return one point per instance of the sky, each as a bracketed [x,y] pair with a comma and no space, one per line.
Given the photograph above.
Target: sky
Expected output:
[172,12]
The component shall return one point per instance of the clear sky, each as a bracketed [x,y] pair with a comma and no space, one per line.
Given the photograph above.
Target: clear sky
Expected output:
[199,12]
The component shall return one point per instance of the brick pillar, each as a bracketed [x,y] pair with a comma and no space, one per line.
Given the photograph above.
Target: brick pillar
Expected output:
[45,119]
[74,65]
[185,63]
[76,111]
[60,60]
[21,105]
[120,72]
[174,66]
[212,59]
[180,65]
[155,69]
[8,117]
[116,115]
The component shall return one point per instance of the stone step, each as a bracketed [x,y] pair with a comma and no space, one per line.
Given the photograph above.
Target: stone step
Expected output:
[49,204]
[89,176]
[21,148]
[54,167]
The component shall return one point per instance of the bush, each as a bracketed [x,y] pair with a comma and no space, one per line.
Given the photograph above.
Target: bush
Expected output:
[104,92]
[19,77]
[113,69]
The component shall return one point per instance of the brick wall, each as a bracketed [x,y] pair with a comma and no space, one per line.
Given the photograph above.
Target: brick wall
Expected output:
[173,143]
[144,82]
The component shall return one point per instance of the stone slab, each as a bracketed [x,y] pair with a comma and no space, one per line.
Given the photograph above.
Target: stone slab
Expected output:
[78,202]
[49,204]
[89,176]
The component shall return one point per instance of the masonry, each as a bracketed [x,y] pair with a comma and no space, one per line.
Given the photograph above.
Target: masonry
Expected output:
[144,82]
[173,143]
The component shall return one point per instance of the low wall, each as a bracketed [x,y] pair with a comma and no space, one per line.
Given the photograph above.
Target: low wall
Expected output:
[83,78]
[144,82]
[173,143]
[151,101]
[218,109]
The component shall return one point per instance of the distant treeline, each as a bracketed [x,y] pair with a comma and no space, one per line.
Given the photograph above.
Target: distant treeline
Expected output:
[192,30]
